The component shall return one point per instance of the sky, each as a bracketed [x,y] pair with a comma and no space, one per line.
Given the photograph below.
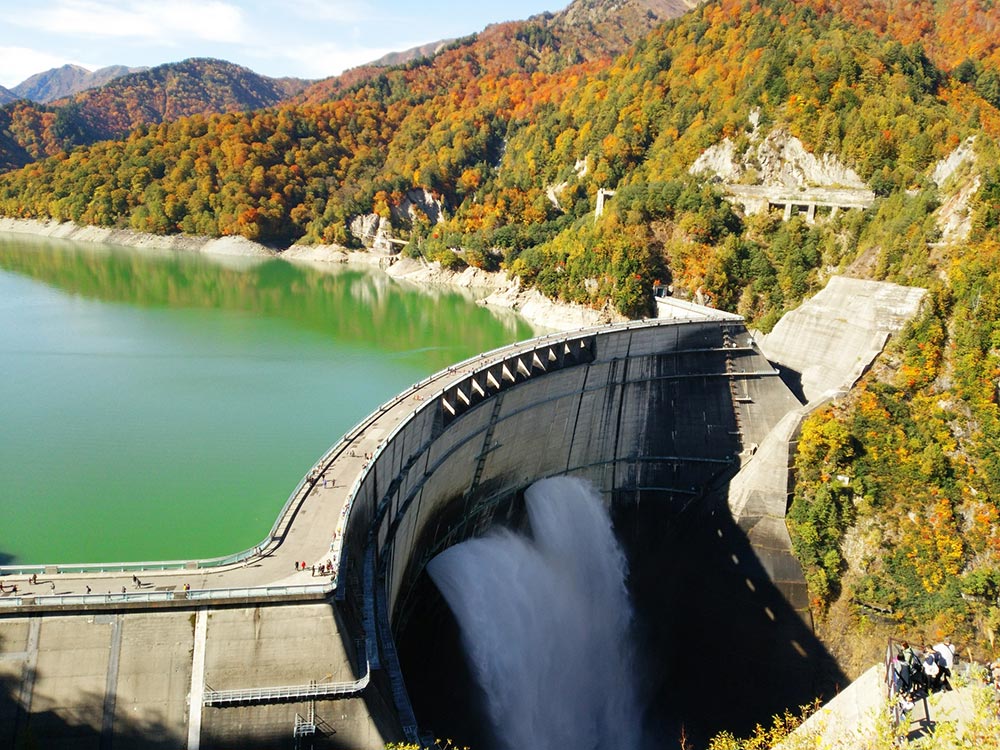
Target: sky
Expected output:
[300,38]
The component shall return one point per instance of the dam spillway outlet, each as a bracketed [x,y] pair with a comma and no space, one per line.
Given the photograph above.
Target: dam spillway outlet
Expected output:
[694,625]
[546,621]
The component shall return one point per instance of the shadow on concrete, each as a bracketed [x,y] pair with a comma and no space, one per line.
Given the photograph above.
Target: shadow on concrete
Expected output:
[79,726]
[718,646]
[76,726]
[792,380]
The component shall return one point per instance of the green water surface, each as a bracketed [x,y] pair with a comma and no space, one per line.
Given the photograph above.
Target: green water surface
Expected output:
[163,406]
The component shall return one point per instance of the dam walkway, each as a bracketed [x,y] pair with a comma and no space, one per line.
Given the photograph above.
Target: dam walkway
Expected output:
[299,558]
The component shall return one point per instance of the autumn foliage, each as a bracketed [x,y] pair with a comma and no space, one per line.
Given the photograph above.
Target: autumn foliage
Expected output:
[513,132]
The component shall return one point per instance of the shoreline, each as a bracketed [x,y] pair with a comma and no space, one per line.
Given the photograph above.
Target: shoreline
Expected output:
[502,292]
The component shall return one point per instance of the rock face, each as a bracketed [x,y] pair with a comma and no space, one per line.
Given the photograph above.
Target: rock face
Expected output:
[375,232]
[417,202]
[581,12]
[957,181]
[777,160]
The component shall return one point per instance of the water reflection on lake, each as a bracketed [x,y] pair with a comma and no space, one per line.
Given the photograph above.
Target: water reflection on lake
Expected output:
[159,405]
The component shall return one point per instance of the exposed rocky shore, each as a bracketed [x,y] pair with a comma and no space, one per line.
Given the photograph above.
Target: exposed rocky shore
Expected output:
[491,289]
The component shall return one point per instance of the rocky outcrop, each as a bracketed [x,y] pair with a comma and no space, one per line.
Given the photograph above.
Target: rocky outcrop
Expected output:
[373,231]
[778,160]
[957,181]
[416,204]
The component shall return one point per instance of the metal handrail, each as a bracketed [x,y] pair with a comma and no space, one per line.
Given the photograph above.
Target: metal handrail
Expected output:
[287,692]
[236,592]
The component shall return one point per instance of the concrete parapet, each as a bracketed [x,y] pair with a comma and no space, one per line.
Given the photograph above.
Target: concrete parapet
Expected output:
[849,720]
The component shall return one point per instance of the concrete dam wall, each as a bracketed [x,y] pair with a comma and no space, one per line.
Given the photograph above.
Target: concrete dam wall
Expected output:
[647,412]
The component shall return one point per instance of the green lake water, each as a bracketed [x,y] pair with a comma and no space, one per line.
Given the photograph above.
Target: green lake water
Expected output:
[163,406]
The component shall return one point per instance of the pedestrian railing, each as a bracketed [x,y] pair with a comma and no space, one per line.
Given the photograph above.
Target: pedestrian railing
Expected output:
[139,597]
[314,690]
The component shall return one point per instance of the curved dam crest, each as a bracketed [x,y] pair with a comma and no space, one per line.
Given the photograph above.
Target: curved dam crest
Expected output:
[658,417]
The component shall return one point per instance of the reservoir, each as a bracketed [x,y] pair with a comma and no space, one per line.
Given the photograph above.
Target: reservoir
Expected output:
[159,405]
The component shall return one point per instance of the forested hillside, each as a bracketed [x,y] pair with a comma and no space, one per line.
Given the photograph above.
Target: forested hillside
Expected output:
[30,131]
[514,131]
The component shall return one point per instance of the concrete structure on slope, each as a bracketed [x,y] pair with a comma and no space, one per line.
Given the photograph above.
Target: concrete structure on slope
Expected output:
[828,342]
[252,651]
[757,199]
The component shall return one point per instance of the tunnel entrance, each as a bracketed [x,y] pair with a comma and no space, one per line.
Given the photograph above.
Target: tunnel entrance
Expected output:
[717,646]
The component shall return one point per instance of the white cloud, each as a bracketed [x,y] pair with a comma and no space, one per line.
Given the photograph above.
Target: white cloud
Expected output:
[141,22]
[337,11]
[327,59]
[19,63]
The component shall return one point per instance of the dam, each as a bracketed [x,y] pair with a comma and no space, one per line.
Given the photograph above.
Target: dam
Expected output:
[329,633]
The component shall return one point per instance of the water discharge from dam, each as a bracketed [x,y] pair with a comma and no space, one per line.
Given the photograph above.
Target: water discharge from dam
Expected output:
[546,623]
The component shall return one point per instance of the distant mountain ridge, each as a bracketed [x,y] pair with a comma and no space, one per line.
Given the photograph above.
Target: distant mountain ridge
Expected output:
[413,53]
[58,83]
[586,30]
[30,131]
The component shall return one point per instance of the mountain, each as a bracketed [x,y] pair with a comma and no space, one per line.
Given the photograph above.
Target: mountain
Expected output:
[166,92]
[6,96]
[494,151]
[67,80]
[393,59]
[587,30]
[632,19]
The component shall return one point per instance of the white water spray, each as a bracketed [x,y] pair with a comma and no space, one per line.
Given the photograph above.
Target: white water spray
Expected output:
[546,623]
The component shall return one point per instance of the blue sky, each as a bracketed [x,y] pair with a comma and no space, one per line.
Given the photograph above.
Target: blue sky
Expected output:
[303,38]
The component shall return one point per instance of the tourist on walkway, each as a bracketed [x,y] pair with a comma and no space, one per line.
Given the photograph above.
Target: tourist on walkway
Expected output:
[901,680]
[931,670]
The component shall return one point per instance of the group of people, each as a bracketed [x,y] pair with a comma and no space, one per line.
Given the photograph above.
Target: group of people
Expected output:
[916,673]
[324,568]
